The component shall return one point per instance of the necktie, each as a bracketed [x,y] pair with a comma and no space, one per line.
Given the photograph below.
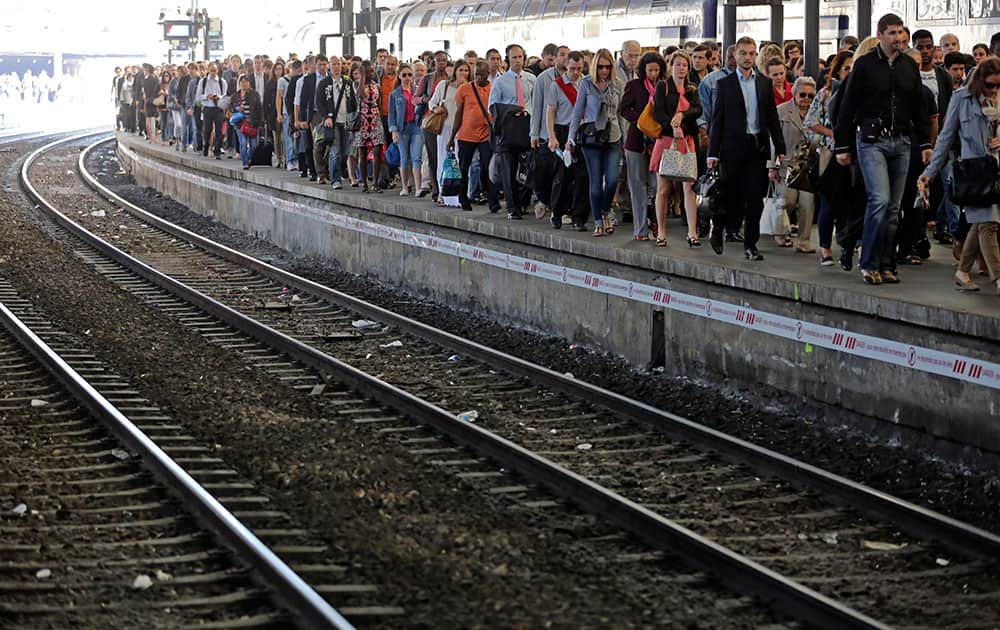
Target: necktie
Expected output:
[520,90]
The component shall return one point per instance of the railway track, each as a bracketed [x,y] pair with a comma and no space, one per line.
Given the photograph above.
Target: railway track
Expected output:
[829,551]
[106,508]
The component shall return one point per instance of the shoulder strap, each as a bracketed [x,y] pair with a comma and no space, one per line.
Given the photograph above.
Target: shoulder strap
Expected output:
[567,89]
[340,98]
[479,100]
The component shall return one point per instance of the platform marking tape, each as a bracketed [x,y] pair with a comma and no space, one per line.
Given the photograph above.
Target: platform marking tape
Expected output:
[876,348]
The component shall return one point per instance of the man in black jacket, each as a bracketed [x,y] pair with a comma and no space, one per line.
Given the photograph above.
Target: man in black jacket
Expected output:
[137,100]
[879,108]
[305,106]
[744,125]
[294,76]
[336,99]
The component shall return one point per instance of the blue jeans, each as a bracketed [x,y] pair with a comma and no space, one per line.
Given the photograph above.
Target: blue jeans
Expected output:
[411,145]
[247,147]
[190,129]
[474,187]
[883,165]
[947,214]
[291,151]
[337,150]
[602,173]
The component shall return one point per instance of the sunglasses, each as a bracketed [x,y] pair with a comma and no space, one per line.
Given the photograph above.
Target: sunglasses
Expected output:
[807,95]
[603,66]
[990,85]
[406,74]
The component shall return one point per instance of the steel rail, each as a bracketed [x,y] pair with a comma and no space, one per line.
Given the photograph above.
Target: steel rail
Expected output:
[913,519]
[739,572]
[306,606]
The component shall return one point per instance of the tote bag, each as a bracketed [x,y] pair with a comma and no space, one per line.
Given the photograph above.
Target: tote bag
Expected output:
[679,165]
[774,220]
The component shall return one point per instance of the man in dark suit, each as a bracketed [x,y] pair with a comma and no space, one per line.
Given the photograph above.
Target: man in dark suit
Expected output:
[304,110]
[743,120]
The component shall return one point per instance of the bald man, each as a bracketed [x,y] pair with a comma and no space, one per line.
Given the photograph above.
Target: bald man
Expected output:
[949,43]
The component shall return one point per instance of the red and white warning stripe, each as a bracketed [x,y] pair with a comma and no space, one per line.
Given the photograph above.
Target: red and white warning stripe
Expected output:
[866,346]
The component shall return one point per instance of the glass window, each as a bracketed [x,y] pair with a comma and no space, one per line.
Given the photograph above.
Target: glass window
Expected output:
[482,14]
[617,7]
[572,8]
[532,9]
[638,7]
[552,8]
[426,20]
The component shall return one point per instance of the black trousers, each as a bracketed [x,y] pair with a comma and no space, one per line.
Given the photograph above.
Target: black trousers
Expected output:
[213,121]
[546,166]
[307,163]
[517,195]
[570,189]
[466,152]
[198,125]
[743,172]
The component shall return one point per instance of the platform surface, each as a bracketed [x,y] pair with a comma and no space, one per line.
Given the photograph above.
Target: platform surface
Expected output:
[925,297]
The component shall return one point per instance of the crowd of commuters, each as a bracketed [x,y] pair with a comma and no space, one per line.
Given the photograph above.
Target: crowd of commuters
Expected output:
[874,149]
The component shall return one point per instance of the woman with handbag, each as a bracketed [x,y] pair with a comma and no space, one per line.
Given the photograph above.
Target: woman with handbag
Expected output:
[676,107]
[637,99]
[595,129]
[798,199]
[974,117]
[443,102]
[819,125]
[425,90]
[404,125]
[247,102]
[162,101]
[370,136]
[354,124]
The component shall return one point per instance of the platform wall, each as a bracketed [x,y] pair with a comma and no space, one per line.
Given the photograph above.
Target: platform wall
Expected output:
[643,334]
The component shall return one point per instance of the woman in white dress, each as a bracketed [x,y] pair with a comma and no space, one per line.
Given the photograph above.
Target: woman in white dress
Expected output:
[444,96]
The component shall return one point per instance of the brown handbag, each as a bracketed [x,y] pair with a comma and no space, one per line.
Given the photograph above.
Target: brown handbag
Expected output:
[435,119]
[647,123]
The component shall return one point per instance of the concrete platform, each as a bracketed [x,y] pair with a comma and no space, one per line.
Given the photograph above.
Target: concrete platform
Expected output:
[918,353]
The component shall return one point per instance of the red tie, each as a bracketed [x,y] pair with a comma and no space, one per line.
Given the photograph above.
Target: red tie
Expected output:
[520,90]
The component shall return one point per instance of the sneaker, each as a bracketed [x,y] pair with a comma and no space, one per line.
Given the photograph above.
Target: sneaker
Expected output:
[404,193]
[540,210]
[826,261]
[337,185]
[514,216]
[291,167]
[321,180]
[567,220]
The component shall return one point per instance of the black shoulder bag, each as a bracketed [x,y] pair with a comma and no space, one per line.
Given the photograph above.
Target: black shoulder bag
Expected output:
[976,182]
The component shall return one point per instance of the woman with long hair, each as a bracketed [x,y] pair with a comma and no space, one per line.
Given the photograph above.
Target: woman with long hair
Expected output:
[247,102]
[444,96]
[676,107]
[352,117]
[596,111]
[974,119]
[638,93]
[370,137]
[272,109]
[404,125]
[818,122]
[164,114]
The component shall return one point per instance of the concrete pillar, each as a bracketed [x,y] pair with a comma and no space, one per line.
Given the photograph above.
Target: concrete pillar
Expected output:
[810,46]
[777,22]
[728,27]
[709,19]
[864,11]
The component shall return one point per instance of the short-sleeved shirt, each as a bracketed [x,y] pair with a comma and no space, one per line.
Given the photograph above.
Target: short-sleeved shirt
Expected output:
[475,127]
[283,88]
[557,98]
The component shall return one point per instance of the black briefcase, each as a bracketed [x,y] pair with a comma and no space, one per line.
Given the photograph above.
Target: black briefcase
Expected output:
[262,154]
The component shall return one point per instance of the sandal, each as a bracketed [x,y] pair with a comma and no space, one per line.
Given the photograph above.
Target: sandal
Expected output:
[642,238]
[609,227]
[661,242]
[786,243]
[598,231]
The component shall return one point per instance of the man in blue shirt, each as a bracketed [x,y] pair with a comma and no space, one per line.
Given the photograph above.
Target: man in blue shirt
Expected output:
[744,119]
[512,88]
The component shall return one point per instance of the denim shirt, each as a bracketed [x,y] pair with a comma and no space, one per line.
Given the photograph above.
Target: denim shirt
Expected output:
[589,102]
[397,110]
[706,94]
[966,121]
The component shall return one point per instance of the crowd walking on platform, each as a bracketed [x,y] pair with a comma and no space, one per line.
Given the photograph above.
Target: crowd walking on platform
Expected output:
[894,143]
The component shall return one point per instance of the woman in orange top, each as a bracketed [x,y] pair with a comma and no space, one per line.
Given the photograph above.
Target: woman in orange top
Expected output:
[472,128]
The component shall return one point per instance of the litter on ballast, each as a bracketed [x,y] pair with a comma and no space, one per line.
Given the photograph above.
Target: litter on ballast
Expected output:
[43,574]
[876,545]
[38,402]
[120,454]
[468,416]
[20,509]
[141,582]
[362,324]
[586,446]
[392,344]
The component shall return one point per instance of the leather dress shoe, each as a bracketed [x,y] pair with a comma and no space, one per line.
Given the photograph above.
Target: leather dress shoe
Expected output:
[715,240]
[753,254]
[734,237]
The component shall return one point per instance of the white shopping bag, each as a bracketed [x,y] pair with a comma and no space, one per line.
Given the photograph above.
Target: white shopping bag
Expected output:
[774,220]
